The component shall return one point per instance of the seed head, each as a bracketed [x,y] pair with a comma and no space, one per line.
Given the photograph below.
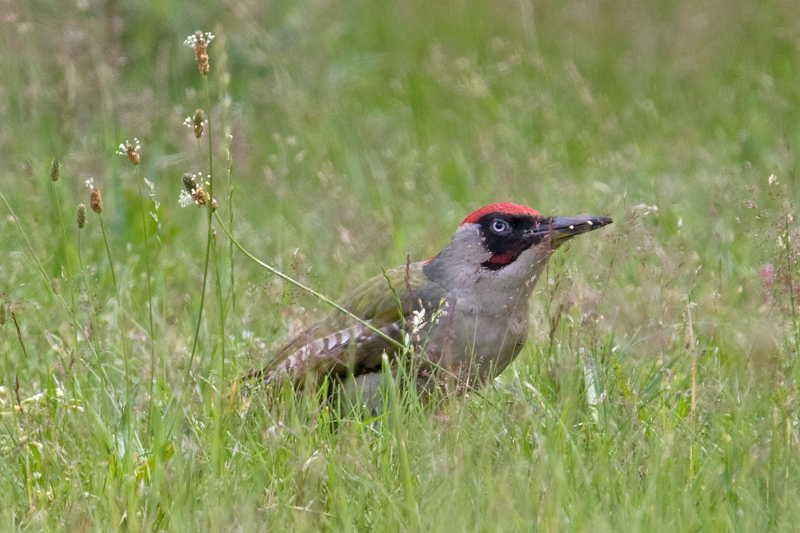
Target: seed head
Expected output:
[194,191]
[189,182]
[200,41]
[96,201]
[131,150]
[55,166]
[196,122]
[81,216]
[199,196]
[2,314]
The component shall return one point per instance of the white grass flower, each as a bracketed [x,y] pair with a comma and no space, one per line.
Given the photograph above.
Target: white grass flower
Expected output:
[127,145]
[185,199]
[196,38]
[36,398]
[197,122]
[417,320]
[199,41]
[130,150]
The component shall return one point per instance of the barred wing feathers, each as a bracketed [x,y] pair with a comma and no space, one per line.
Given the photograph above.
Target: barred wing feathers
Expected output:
[337,344]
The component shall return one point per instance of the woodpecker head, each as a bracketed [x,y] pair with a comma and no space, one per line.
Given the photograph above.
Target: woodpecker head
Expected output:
[506,244]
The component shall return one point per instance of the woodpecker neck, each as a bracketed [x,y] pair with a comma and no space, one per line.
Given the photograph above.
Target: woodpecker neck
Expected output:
[465,269]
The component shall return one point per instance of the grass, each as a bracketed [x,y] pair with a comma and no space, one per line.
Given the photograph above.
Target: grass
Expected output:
[658,390]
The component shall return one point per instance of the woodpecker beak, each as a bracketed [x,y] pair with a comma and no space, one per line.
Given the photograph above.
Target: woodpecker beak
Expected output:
[561,229]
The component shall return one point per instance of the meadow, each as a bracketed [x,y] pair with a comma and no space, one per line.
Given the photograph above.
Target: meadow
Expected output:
[658,390]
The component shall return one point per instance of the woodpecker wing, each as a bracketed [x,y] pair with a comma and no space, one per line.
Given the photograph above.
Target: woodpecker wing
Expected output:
[338,344]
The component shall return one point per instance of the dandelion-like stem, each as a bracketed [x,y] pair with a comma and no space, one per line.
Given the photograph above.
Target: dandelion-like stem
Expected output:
[128,415]
[210,151]
[88,297]
[30,249]
[68,268]
[80,260]
[110,261]
[230,220]
[128,459]
[200,312]
[118,311]
[304,287]
[221,315]
[210,232]
[63,235]
[149,298]
[200,157]
[220,366]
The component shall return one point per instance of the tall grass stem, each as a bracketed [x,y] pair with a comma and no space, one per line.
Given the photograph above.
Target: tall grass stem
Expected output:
[210,229]
[30,249]
[304,287]
[110,261]
[149,296]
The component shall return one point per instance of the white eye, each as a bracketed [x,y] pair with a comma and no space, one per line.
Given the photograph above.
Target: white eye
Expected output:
[500,226]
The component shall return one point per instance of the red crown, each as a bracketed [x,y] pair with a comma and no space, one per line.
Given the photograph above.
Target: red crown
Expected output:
[505,208]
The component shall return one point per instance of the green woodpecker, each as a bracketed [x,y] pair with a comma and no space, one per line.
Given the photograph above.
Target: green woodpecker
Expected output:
[465,310]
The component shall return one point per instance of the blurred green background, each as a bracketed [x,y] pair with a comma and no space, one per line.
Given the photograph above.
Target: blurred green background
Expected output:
[366,131]
[362,133]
